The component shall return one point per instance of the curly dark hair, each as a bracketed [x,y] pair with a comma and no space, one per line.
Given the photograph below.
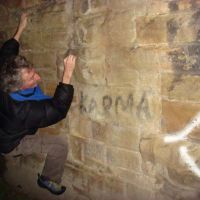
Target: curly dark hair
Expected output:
[10,73]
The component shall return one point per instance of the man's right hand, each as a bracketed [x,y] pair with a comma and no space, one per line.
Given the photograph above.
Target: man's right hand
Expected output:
[69,65]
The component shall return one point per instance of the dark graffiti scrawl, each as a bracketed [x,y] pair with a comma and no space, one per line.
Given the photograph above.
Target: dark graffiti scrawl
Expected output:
[117,104]
[185,58]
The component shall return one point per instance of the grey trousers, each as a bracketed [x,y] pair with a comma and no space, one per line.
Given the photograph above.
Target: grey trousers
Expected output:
[56,148]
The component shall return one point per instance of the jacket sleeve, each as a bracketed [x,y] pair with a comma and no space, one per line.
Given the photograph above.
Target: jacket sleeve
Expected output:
[9,48]
[38,114]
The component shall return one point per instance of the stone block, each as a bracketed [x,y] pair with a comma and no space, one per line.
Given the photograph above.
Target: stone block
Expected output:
[78,183]
[121,76]
[49,42]
[70,173]
[99,131]
[91,71]
[181,87]
[136,178]
[110,134]
[81,7]
[123,137]
[137,193]
[102,31]
[157,7]
[4,15]
[183,28]
[118,33]
[32,41]
[185,5]
[138,7]
[149,81]
[50,130]
[114,189]
[91,53]
[121,158]
[118,58]
[90,32]
[31,3]
[58,6]
[94,152]
[47,74]
[143,59]
[45,60]
[48,21]
[165,58]
[62,126]
[98,3]
[10,31]
[49,87]
[86,8]
[12,3]
[180,59]
[167,29]
[79,125]
[151,30]
[184,59]
[176,115]
[96,187]
[76,146]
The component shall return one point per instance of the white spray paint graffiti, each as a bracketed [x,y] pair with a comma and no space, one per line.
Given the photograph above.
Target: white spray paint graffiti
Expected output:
[182,135]
[189,160]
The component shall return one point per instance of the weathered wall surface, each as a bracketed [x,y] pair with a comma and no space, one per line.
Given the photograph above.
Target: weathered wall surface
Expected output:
[133,126]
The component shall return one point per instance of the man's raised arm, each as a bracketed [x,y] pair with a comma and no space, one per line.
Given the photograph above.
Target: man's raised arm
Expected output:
[21,27]
[11,46]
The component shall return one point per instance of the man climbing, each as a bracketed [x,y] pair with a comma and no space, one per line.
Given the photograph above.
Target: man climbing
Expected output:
[24,108]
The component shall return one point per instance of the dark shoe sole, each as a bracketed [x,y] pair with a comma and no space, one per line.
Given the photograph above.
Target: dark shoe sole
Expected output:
[44,186]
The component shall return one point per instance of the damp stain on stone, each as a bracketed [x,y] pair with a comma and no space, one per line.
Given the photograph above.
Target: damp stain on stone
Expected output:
[173,6]
[172,28]
[195,19]
[195,23]
[198,35]
[185,61]
[84,6]
[193,4]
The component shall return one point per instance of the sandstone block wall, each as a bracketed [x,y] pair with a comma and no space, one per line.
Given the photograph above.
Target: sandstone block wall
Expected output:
[133,125]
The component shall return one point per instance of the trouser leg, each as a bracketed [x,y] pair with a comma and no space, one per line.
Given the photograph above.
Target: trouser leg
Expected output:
[54,145]
[57,149]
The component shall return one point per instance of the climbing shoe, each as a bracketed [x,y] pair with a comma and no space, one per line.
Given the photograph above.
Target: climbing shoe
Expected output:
[53,187]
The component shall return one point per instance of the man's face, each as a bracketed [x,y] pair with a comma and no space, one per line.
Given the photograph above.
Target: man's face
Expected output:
[30,78]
